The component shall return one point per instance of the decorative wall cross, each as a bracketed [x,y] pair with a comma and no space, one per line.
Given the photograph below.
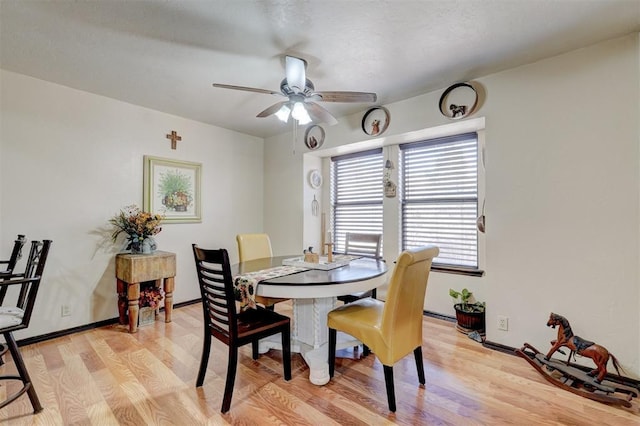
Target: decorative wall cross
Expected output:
[174,138]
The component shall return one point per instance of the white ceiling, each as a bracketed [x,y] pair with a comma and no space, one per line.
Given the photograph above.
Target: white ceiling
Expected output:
[164,55]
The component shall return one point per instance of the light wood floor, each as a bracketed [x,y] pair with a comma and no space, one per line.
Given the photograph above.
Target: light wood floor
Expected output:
[110,377]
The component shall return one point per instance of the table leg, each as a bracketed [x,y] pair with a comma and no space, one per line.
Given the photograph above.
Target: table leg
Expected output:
[309,336]
[122,301]
[133,294]
[311,328]
[169,286]
[157,284]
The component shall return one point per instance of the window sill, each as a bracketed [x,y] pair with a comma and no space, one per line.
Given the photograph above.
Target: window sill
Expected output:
[459,270]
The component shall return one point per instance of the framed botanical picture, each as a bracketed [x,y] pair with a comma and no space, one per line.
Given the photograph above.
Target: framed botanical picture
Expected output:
[375,121]
[314,137]
[172,188]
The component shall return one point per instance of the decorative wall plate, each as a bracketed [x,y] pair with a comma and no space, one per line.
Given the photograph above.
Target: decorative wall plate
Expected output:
[314,137]
[458,101]
[375,121]
[315,179]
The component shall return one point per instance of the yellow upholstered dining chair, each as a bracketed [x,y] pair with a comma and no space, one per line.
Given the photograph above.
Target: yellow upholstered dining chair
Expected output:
[392,329]
[257,246]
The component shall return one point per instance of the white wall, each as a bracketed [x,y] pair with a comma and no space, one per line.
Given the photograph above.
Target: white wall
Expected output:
[283,194]
[562,189]
[70,160]
[562,195]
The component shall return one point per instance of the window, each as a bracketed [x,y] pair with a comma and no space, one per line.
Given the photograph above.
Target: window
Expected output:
[439,186]
[356,195]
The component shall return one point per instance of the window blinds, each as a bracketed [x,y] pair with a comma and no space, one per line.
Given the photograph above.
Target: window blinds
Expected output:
[356,195]
[439,186]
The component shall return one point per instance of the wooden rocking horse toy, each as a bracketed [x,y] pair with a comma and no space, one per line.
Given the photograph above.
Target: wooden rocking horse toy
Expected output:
[599,354]
[594,384]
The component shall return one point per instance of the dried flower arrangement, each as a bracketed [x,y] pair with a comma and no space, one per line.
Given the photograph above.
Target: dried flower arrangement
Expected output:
[150,296]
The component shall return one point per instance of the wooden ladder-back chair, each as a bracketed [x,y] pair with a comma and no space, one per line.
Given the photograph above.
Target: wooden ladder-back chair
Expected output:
[16,254]
[257,246]
[13,318]
[366,245]
[223,322]
[392,329]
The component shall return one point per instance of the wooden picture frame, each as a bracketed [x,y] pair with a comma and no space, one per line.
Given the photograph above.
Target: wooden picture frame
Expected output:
[172,188]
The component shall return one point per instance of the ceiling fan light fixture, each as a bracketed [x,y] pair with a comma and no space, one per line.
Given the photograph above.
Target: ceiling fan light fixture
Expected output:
[300,113]
[283,113]
[301,97]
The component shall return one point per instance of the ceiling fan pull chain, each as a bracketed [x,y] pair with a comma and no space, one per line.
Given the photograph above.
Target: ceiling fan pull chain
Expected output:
[295,136]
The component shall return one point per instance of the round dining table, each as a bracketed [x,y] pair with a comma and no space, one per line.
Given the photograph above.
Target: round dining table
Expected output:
[313,293]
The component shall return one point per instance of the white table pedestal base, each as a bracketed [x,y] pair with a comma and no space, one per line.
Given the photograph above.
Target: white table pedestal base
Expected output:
[310,337]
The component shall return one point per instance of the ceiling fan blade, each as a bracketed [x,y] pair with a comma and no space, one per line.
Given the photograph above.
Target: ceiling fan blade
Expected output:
[346,96]
[246,89]
[319,114]
[296,75]
[272,109]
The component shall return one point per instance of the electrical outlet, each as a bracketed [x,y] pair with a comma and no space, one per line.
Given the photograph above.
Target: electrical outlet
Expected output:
[65,310]
[503,323]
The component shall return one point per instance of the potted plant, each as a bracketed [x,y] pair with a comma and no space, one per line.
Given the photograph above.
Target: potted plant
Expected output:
[150,297]
[139,226]
[469,312]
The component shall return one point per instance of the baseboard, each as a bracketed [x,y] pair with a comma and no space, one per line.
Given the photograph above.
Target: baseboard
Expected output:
[439,316]
[66,332]
[187,303]
[111,321]
[499,347]
[103,323]
[487,344]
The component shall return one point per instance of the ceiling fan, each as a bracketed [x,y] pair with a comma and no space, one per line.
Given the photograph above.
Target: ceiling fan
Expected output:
[302,97]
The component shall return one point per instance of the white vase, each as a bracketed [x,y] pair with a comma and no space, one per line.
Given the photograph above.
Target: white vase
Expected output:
[149,245]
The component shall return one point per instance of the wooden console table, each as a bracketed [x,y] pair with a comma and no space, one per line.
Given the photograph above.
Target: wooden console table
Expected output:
[131,270]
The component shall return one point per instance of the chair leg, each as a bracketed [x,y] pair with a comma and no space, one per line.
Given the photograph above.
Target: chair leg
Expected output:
[24,375]
[204,361]
[332,351]
[231,378]
[286,352]
[365,350]
[388,380]
[417,352]
[254,349]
